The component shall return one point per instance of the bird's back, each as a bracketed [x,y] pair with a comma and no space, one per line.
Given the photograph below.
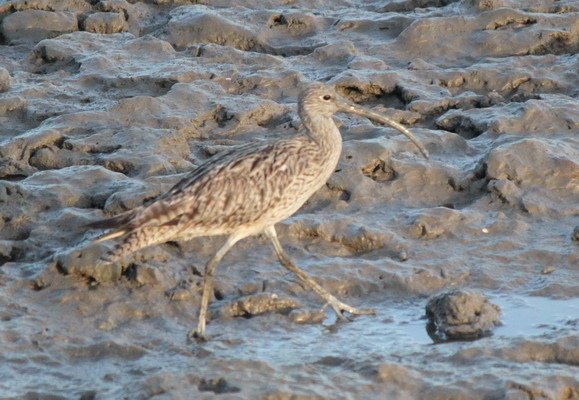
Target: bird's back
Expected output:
[252,185]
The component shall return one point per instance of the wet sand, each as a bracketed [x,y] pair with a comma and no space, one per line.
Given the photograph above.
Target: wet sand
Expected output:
[104,105]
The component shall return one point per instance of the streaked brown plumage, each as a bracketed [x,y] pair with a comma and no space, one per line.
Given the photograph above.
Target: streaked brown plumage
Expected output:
[246,191]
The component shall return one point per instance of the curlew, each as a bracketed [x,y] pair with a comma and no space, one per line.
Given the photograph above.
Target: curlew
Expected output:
[245,192]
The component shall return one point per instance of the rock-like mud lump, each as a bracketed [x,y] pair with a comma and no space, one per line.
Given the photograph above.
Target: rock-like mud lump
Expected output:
[460,315]
[105,22]
[34,25]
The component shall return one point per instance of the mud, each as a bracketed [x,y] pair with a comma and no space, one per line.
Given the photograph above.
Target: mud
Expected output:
[104,105]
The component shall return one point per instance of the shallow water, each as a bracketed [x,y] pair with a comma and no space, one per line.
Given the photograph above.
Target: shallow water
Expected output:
[398,329]
[528,316]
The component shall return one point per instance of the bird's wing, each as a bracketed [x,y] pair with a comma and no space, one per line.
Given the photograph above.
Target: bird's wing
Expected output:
[231,188]
[208,165]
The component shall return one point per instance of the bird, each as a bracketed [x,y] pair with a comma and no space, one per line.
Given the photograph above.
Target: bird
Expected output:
[246,191]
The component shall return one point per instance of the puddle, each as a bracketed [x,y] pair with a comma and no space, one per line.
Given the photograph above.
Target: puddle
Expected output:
[534,316]
[398,331]
[402,331]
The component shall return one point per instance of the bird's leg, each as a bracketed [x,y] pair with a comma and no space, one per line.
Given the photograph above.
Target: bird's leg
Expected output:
[333,302]
[199,333]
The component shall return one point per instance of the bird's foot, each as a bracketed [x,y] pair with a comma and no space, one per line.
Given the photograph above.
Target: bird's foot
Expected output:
[198,334]
[195,335]
[341,308]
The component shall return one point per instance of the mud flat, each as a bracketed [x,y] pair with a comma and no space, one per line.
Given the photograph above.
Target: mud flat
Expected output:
[106,104]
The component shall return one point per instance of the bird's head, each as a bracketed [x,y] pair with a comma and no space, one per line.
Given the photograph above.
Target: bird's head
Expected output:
[321,100]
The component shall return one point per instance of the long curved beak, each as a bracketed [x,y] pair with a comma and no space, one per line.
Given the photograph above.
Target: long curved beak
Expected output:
[349,107]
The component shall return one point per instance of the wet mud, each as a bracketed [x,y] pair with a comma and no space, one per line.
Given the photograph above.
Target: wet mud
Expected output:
[104,105]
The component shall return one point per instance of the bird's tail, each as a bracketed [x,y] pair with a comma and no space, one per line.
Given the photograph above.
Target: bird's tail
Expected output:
[135,240]
[135,237]
[119,224]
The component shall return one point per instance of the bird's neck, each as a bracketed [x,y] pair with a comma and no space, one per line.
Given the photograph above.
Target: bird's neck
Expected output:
[323,130]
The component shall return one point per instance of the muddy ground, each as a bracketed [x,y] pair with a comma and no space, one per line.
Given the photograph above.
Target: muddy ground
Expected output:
[104,105]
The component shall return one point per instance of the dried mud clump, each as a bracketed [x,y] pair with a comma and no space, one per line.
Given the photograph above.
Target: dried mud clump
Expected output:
[460,315]
[105,22]
[30,26]
[250,306]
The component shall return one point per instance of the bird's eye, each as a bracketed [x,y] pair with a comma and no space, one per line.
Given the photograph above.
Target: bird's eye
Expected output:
[327,97]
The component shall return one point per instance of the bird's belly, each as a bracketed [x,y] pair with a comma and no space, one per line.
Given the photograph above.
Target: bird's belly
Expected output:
[292,199]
